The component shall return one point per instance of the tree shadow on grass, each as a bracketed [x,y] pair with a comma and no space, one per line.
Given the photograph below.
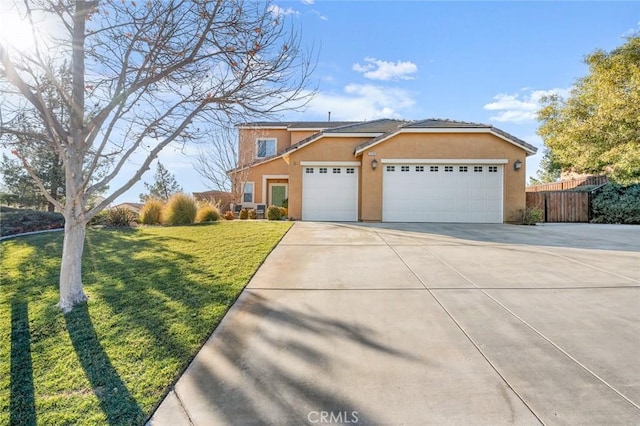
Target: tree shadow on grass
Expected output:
[22,405]
[115,400]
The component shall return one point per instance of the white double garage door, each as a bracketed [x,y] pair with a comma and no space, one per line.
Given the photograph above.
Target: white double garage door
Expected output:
[411,192]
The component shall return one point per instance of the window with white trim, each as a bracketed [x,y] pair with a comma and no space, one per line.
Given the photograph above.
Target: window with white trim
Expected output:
[336,170]
[323,170]
[448,168]
[419,168]
[391,168]
[493,169]
[404,168]
[265,147]
[308,170]
[463,169]
[477,169]
[433,168]
[350,170]
[247,193]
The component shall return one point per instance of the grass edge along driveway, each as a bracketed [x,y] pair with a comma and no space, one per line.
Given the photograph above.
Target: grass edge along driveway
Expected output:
[155,295]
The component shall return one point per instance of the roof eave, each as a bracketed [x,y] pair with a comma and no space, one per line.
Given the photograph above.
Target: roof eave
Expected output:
[529,149]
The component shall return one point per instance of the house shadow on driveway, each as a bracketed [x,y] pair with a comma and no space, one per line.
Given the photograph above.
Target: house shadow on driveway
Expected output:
[567,235]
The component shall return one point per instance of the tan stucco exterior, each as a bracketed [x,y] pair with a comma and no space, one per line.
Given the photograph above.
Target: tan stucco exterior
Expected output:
[451,145]
[326,149]
[443,146]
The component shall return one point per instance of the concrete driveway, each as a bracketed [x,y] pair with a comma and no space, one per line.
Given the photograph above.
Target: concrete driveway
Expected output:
[420,324]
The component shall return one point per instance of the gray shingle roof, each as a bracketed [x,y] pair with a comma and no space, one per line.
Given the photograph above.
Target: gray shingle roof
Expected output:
[376,126]
[373,127]
[442,123]
[383,127]
[297,124]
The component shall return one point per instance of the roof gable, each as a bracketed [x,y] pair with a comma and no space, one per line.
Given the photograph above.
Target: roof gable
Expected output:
[446,126]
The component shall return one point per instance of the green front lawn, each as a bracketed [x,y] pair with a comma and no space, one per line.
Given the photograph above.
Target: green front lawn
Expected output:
[155,295]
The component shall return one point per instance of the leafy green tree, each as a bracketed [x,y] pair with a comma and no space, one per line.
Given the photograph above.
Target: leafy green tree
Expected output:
[47,165]
[549,169]
[19,186]
[163,187]
[597,129]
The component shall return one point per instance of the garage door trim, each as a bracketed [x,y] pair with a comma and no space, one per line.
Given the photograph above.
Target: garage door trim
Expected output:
[330,163]
[443,161]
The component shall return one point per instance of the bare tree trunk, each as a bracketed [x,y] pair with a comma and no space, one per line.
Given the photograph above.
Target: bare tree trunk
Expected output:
[71,292]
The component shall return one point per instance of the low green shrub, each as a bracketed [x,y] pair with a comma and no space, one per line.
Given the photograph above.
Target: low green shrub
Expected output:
[244,214]
[16,221]
[617,204]
[274,213]
[99,219]
[119,217]
[181,209]
[252,214]
[207,213]
[529,216]
[151,212]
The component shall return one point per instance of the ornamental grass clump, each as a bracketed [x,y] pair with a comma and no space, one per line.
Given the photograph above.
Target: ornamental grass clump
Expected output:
[181,209]
[207,213]
[119,217]
[151,212]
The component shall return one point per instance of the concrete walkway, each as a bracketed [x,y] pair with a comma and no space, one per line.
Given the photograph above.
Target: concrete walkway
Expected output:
[420,324]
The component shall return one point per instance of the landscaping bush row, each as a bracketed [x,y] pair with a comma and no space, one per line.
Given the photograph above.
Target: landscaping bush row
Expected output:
[615,203]
[181,209]
[16,221]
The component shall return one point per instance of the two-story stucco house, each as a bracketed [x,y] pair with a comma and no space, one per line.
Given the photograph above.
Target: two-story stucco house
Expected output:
[385,170]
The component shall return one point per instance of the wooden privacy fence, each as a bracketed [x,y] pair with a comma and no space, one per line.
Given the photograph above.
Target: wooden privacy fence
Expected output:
[561,206]
[568,184]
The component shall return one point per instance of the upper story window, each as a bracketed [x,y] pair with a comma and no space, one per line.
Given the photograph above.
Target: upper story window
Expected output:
[265,147]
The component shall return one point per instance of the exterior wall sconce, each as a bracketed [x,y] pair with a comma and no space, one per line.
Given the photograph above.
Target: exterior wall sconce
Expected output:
[517,165]
[374,164]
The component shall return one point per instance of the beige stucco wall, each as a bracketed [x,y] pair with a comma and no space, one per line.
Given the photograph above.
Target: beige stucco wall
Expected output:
[442,146]
[298,135]
[247,141]
[276,167]
[402,146]
[326,149]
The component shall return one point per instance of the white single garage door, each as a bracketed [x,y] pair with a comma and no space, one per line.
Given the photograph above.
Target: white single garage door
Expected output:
[330,193]
[442,193]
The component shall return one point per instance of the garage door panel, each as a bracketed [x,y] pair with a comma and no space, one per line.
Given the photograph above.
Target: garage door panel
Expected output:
[330,193]
[442,193]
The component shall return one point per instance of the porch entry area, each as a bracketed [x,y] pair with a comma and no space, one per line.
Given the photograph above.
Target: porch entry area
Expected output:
[274,189]
[277,192]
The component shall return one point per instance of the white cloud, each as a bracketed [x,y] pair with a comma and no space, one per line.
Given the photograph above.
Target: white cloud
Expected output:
[278,11]
[376,69]
[362,102]
[520,107]
[308,1]
[632,31]
[321,16]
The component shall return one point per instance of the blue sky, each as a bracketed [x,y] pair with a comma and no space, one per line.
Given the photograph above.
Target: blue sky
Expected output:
[477,61]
